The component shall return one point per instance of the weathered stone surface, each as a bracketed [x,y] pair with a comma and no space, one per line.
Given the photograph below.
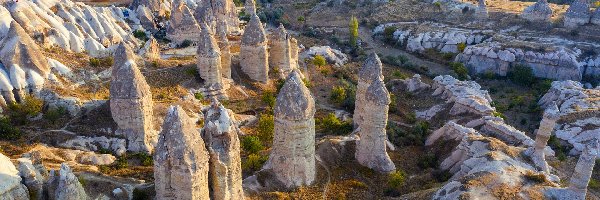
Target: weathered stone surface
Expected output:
[183,25]
[280,52]
[253,53]
[578,14]
[115,145]
[467,96]
[225,49]
[209,64]
[75,158]
[221,136]
[250,6]
[10,186]
[65,185]
[32,178]
[332,56]
[26,68]
[540,11]
[421,36]
[415,84]
[151,50]
[551,115]
[371,147]
[223,13]
[450,131]
[596,17]
[292,158]
[481,11]
[180,160]
[131,103]
[581,176]
[369,72]
[146,18]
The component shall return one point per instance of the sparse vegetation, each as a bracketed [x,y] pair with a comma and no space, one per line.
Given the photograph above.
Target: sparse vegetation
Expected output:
[388,33]
[353,28]
[18,113]
[330,124]
[268,97]
[105,62]
[254,162]
[252,144]
[141,35]
[397,178]
[266,127]
[8,131]
[462,73]
[319,61]
[522,75]
[338,95]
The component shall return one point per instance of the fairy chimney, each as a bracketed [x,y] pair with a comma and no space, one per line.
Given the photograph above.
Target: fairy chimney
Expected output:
[551,115]
[540,11]
[225,48]
[281,52]
[253,53]
[370,71]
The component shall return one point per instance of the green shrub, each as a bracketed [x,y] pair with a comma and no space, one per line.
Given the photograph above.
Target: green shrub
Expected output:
[192,71]
[185,43]
[388,33]
[121,163]
[268,97]
[438,5]
[141,35]
[279,84]
[399,74]
[301,19]
[353,29]
[427,161]
[522,75]
[266,127]
[338,95]
[140,194]
[145,159]
[499,114]
[307,83]
[19,112]
[101,62]
[330,124]
[460,70]
[254,162]
[8,131]
[594,184]
[461,47]
[319,60]
[82,181]
[397,178]
[52,115]
[199,96]
[252,144]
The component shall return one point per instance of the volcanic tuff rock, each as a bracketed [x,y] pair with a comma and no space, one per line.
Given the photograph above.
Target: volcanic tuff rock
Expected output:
[131,103]
[580,179]
[292,158]
[596,17]
[225,49]
[281,52]
[10,186]
[371,147]
[32,178]
[151,50]
[540,11]
[332,56]
[369,72]
[551,115]
[221,136]
[180,160]
[209,64]
[578,14]
[146,18]
[223,12]
[253,54]
[467,96]
[481,10]
[65,185]
[415,84]
[182,25]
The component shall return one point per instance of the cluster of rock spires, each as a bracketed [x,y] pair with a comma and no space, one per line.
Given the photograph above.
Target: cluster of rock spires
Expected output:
[283,52]
[210,65]
[540,11]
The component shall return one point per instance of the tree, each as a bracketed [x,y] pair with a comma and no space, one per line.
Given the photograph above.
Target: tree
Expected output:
[353,31]
[319,60]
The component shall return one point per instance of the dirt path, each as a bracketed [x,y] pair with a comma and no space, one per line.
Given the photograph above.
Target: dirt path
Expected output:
[383,49]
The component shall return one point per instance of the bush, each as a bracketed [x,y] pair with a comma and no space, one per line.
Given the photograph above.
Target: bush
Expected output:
[397,178]
[388,33]
[266,127]
[252,144]
[192,71]
[8,131]
[268,97]
[461,71]
[330,124]
[199,96]
[353,29]
[121,163]
[522,75]
[52,115]
[428,161]
[338,95]
[29,107]
[461,46]
[140,195]
[254,162]
[145,159]
[141,35]
[319,60]
[399,74]
[101,62]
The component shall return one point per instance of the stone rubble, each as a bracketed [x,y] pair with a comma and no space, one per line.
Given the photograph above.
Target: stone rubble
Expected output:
[253,53]
[131,103]
[467,96]
[209,64]
[10,186]
[371,147]
[221,137]
[292,158]
[181,161]
[369,72]
[281,52]
[578,14]
[540,11]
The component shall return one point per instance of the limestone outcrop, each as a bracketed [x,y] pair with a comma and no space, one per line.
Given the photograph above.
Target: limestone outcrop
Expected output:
[481,11]
[551,115]
[371,147]
[183,25]
[180,160]
[151,50]
[10,186]
[466,96]
[450,131]
[370,71]
[253,53]
[280,52]
[415,84]
[65,185]
[333,56]
[131,103]
[221,136]
[292,158]
[540,11]
[578,14]
[209,64]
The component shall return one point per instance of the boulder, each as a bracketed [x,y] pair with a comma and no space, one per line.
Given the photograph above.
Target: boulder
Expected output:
[10,186]
[578,14]
[540,11]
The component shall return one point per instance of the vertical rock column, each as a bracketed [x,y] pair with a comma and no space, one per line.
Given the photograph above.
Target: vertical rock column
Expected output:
[583,170]
[221,136]
[578,14]
[225,48]
[181,160]
[371,147]
[131,102]
[280,53]
[209,65]
[482,11]
[253,52]
[182,24]
[370,71]
[551,115]
[250,6]
[292,157]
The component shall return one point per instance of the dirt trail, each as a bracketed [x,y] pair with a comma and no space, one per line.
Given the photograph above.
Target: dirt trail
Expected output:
[383,49]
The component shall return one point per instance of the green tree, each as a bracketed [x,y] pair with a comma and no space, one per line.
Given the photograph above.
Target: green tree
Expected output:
[353,27]
[388,33]
[319,60]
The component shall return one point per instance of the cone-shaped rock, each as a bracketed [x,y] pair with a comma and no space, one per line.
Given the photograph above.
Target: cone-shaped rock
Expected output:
[281,50]
[65,185]
[131,102]
[151,50]
[221,136]
[209,58]
[370,71]
[182,25]
[293,154]
[371,147]
[225,48]
[578,14]
[250,6]
[180,160]
[253,53]
[213,12]
[10,182]
[540,11]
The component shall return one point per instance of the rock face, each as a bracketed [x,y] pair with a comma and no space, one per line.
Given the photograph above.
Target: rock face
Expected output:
[131,103]
[181,160]
[581,176]
[551,115]
[151,50]
[280,52]
[224,12]
[32,178]
[146,18]
[332,56]
[65,185]
[540,11]
[292,158]
[225,49]
[209,64]
[25,67]
[370,71]
[481,11]
[467,96]
[250,6]
[183,25]
[596,17]
[253,53]
[221,136]
[371,147]
[10,186]
[578,14]
[415,84]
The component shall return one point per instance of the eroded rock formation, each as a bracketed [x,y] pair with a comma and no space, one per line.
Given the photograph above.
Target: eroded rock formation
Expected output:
[578,14]
[151,50]
[467,96]
[551,115]
[209,64]
[370,71]
[371,147]
[540,11]
[221,136]
[222,12]
[10,186]
[131,102]
[596,17]
[281,52]
[581,176]
[180,160]
[183,25]
[225,49]
[481,11]
[65,185]
[292,158]
[253,53]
